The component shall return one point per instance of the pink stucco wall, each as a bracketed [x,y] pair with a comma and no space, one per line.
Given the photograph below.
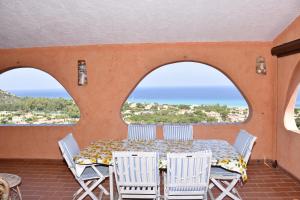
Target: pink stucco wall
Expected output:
[288,141]
[114,70]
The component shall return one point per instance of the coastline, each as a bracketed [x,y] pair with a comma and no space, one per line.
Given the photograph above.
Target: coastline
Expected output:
[182,102]
[145,113]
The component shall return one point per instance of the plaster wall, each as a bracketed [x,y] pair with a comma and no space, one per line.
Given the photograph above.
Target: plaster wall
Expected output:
[289,34]
[288,141]
[115,70]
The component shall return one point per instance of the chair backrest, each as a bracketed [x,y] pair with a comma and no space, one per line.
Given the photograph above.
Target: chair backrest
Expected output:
[136,169]
[189,171]
[69,149]
[244,144]
[141,132]
[178,132]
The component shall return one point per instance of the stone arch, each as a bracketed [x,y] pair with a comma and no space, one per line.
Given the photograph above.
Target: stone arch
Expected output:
[69,107]
[218,70]
[291,97]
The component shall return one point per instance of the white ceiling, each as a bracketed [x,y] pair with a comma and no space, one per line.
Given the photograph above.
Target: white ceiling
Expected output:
[35,23]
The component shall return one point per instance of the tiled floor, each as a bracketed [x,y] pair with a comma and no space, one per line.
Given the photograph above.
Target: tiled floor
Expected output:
[51,179]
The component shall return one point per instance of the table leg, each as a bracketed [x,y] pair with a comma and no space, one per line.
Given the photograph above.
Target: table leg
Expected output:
[111,182]
[165,184]
[19,192]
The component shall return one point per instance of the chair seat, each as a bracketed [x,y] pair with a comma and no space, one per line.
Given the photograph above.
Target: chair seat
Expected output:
[220,173]
[137,190]
[89,172]
[187,189]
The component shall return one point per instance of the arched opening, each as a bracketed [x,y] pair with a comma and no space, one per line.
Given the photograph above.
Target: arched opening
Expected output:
[292,110]
[29,96]
[185,92]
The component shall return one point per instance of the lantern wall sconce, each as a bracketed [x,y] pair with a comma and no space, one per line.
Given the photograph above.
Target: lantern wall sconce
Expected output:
[261,67]
[82,73]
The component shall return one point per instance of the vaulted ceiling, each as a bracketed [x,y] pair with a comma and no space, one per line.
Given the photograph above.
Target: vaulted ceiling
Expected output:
[32,23]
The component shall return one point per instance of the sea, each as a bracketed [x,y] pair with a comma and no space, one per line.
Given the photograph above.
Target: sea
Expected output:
[48,93]
[189,95]
[229,96]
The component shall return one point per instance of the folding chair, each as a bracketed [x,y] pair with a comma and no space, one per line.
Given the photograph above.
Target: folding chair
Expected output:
[178,132]
[226,180]
[187,175]
[137,175]
[91,177]
[141,132]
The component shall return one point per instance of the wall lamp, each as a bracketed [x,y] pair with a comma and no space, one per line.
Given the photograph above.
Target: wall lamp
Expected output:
[82,72]
[261,67]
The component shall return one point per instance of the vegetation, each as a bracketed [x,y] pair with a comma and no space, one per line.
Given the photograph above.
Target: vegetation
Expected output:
[297,117]
[28,110]
[157,113]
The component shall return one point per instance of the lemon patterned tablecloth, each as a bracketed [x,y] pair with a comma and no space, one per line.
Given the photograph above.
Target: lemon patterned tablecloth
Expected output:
[223,154]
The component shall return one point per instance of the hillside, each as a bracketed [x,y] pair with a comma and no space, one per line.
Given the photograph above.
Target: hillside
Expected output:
[30,110]
[8,97]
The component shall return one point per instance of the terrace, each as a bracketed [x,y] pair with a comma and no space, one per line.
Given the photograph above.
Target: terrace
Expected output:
[51,179]
[123,42]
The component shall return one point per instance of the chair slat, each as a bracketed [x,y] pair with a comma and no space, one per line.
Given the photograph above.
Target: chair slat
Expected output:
[126,170]
[141,132]
[178,132]
[69,148]
[244,144]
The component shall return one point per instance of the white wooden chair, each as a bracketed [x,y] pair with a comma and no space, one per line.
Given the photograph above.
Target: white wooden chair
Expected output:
[91,177]
[226,180]
[137,175]
[187,175]
[178,131]
[141,132]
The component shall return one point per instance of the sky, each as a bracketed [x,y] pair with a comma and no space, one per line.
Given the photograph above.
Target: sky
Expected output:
[183,74]
[27,79]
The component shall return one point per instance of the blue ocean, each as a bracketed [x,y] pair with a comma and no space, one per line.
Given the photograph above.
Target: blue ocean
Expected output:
[229,96]
[189,95]
[53,93]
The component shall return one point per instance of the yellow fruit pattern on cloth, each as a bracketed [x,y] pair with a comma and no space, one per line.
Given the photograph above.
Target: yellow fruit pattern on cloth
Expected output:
[223,154]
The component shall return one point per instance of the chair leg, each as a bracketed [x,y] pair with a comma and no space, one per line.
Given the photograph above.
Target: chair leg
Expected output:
[100,194]
[80,190]
[77,193]
[19,193]
[111,182]
[165,185]
[234,190]
[205,197]
[103,189]
[226,191]
[211,186]
[89,190]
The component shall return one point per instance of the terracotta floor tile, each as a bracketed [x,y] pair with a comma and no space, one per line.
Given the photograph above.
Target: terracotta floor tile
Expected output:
[51,179]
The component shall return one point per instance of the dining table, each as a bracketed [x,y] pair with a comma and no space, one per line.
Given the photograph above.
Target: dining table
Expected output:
[100,152]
